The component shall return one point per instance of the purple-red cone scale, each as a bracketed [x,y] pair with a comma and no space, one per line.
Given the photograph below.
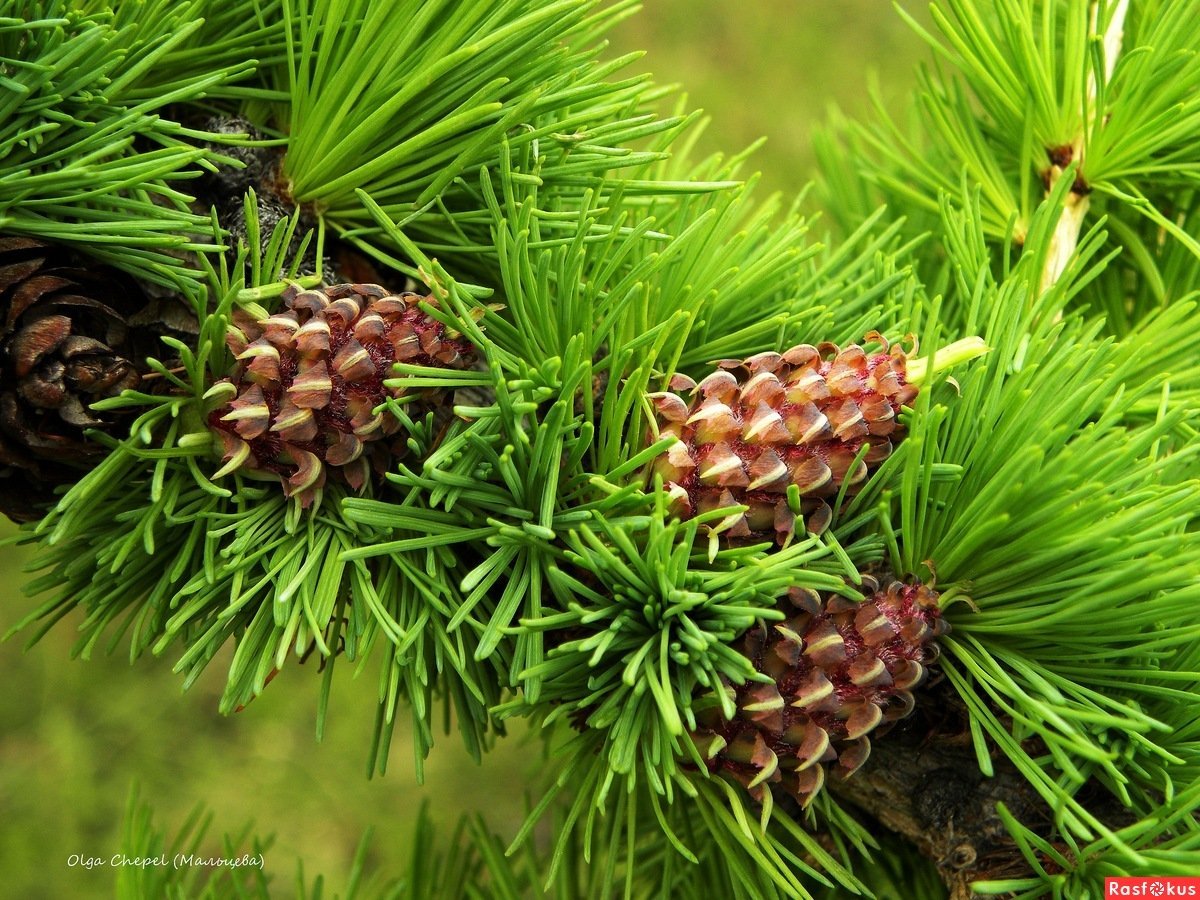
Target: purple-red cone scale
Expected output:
[754,427]
[310,383]
[839,670]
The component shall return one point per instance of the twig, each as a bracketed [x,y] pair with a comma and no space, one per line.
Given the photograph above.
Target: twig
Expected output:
[1070,223]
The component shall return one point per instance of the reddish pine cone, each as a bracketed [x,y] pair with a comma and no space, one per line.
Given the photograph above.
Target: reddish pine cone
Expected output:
[839,670]
[755,427]
[310,378]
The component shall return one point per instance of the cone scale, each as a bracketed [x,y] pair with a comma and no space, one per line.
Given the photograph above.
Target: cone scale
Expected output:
[307,397]
[66,341]
[807,421]
[838,671]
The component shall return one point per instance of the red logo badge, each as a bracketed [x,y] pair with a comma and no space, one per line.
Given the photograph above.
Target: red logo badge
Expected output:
[1151,887]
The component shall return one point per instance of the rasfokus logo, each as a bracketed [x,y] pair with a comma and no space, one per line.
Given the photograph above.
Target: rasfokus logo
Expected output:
[1151,887]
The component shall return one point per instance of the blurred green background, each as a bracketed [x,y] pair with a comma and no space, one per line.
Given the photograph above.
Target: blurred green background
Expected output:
[74,735]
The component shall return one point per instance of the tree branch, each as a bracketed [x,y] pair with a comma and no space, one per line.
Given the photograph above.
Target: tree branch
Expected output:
[923,783]
[1070,223]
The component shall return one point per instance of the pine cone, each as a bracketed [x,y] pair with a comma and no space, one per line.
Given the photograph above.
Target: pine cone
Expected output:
[65,342]
[757,426]
[839,671]
[309,379]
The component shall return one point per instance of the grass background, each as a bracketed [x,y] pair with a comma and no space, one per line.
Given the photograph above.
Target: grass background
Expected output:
[75,735]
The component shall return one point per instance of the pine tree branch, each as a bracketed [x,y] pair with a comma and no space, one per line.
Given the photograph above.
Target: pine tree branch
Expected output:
[1075,207]
[923,783]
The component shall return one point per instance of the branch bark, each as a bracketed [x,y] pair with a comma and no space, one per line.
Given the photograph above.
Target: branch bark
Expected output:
[923,783]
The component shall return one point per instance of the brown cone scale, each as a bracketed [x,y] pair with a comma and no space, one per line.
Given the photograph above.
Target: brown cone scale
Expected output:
[305,396]
[753,428]
[839,671]
[66,341]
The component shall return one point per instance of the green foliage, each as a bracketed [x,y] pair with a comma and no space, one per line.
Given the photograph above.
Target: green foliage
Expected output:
[1023,94]
[408,101]
[517,561]
[1063,546]
[646,626]
[470,863]
[681,279]
[157,866]
[158,546]
[86,156]
[1164,844]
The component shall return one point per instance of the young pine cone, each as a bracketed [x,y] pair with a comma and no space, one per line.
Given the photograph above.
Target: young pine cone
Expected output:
[755,427]
[65,342]
[839,670]
[303,399]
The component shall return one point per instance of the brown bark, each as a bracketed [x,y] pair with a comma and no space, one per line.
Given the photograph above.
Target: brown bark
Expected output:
[923,783]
